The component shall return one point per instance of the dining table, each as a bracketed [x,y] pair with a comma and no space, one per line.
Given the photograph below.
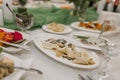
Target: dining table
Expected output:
[54,70]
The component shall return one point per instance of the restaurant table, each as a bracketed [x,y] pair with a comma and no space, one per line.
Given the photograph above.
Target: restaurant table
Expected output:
[53,70]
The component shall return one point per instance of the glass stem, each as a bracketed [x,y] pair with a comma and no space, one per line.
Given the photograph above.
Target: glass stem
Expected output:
[104,70]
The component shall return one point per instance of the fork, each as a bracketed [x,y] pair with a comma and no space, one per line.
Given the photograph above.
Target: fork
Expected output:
[22,68]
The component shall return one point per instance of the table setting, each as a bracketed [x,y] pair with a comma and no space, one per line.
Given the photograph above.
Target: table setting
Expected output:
[54,43]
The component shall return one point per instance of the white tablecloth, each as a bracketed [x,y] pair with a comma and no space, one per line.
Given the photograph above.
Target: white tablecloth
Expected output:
[54,70]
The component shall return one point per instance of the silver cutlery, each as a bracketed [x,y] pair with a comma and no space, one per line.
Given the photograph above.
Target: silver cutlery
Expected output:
[16,45]
[22,68]
[89,78]
[102,30]
[81,77]
[106,22]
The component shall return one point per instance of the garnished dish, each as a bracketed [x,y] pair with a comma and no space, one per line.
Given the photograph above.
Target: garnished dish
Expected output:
[68,51]
[95,27]
[5,61]
[64,50]
[8,64]
[9,37]
[89,40]
[57,28]
[15,2]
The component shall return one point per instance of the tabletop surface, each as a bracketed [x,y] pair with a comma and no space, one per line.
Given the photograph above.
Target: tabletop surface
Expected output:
[54,70]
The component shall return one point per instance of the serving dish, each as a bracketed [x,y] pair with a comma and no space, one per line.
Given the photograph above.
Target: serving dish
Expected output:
[89,40]
[19,35]
[64,28]
[76,25]
[43,37]
[16,75]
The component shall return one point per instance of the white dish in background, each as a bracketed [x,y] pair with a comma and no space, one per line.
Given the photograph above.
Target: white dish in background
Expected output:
[16,75]
[41,37]
[13,49]
[66,30]
[90,35]
[75,25]
[59,1]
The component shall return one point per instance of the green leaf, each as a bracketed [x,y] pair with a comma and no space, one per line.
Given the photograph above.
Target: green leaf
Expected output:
[1,49]
[82,37]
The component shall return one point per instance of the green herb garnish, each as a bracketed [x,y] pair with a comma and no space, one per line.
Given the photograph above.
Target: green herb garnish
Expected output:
[82,37]
[1,49]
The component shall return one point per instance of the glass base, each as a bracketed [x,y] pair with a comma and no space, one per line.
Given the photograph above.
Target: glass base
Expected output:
[101,75]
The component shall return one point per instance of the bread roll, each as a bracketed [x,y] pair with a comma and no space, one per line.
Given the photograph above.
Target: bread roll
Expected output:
[9,63]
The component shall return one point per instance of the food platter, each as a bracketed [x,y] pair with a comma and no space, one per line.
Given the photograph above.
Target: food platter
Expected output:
[75,25]
[16,75]
[66,30]
[42,37]
[94,42]
[12,49]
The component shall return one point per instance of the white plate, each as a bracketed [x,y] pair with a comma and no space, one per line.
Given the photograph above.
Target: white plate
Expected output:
[87,34]
[16,75]
[75,25]
[66,30]
[12,49]
[58,1]
[38,38]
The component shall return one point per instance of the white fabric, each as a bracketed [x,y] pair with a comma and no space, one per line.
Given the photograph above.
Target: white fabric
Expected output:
[101,5]
[118,8]
[113,17]
[6,12]
[1,17]
[54,70]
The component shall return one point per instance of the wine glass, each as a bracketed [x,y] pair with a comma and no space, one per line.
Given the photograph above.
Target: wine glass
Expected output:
[24,23]
[108,50]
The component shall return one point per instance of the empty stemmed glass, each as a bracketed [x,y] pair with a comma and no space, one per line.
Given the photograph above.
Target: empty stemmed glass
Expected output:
[108,50]
[24,23]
